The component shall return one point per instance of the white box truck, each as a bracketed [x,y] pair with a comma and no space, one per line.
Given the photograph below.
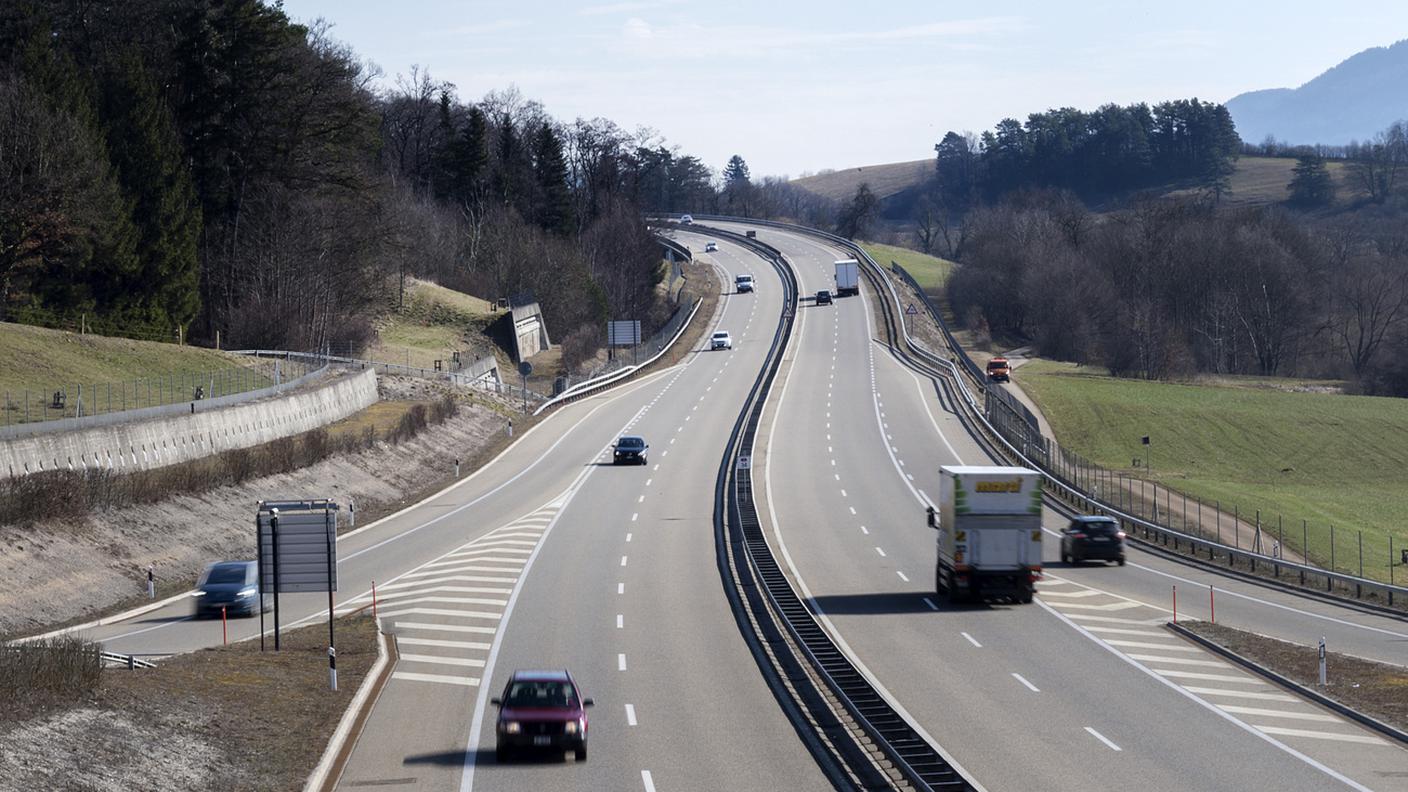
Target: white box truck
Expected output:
[989,533]
[847,277]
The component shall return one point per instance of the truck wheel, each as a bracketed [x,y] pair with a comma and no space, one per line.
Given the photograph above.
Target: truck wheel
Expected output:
[1026,597]
[1121,560]
[940,585]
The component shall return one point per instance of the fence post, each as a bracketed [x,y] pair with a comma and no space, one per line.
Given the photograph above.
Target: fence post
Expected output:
[1359,587]
[1332,548]
[1390,568]
[1217,512]
[1304,547]
[1236,527]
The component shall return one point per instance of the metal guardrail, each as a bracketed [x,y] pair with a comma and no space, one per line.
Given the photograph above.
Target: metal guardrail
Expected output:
[1018,443]
[922,764]
[129,662]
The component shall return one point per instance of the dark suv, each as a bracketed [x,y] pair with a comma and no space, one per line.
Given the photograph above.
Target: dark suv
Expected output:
[1092,538]
[823,297]
[630,450]
[541,709]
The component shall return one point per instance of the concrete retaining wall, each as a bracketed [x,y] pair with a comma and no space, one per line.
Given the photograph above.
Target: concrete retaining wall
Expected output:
[166,441]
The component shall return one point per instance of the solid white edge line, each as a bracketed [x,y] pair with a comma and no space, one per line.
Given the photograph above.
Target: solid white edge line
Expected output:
[811,601]
[1210,707]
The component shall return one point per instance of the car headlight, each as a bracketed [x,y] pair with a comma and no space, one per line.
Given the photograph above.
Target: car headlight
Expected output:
[512,727]
[245,593]
[570,727]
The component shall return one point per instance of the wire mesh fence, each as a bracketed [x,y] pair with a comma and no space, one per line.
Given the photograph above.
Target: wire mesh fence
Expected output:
[80,400]
[1375,554]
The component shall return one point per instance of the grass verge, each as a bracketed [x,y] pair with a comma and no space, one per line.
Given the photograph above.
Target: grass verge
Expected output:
[1327,459]
[224,718]
[931,272]
[1378,690]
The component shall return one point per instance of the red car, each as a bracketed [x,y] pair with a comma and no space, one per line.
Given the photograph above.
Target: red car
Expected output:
[541,710]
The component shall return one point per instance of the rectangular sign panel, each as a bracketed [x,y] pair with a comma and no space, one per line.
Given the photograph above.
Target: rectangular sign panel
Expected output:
[624,333]
[306,550]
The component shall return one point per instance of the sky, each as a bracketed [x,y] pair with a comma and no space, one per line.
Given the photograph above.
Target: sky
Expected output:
[799,87]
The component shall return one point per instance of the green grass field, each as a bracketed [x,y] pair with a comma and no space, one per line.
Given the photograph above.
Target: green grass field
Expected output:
[1326,458]
[930,271]
[436,322]
[37,359]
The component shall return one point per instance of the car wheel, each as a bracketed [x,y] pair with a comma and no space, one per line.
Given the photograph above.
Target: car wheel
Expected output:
[1121,560]
[582,753]
[500,754]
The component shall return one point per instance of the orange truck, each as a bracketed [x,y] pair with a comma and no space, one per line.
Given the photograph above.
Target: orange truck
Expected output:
[998,370]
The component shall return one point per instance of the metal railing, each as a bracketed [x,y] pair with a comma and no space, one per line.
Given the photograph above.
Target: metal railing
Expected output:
[1014,431]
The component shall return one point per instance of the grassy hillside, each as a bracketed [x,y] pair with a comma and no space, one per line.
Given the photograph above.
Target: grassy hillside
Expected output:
[930,271]
[1257,181]
[884,180]
[1326,458]
[37,359]
[435,322]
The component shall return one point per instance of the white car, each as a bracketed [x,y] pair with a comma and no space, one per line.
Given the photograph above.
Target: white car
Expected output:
[711,247]
[721,340]
[686,219]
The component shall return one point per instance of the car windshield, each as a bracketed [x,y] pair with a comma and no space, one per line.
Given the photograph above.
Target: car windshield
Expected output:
[720,335]
[225,574]
[997,364]
[1100,528]
[630,442]
[543,695]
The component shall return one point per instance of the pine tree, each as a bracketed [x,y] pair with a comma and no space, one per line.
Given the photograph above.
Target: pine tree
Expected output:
[1311,184]
[554,210]
[148,158]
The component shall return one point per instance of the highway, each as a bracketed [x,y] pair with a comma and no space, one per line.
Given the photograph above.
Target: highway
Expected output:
[549,557]
[1082,690]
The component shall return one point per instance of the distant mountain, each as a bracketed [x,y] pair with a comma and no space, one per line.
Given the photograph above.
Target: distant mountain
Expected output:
[1353,101]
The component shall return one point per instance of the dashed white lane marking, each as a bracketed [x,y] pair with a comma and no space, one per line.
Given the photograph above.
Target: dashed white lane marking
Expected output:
[930,603]
[647,481]
[1102,738]
[837,475]
[647,781]
[853,509]
[641,499]
[902,575]
[843,494]
[620,588]
[1023,680]
[634,516]
[881,551]
[1246,694]
[865,530]
[630,715]
[971,640]
[657,466]
[621,662]
[623,560]
[443,679]
[1319,735]
[628,537]
[620,621]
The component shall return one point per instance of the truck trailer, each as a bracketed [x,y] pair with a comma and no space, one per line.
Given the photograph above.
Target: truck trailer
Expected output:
[847,277]
[989,533]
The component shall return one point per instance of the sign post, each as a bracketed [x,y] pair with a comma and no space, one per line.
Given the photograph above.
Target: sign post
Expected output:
[297,553]
[1145,441]
[525,368]
[1322,661]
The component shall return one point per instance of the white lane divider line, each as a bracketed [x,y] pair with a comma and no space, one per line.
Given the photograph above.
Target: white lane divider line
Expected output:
[454,628]
[623,560]
[974,641]
[931,604]
[630,715]
[628,537]
[436,642]
[647,780]
[1182,661]
[881,551]
[865,530]
[1206,677]
[437,660]
[902,575]
[620,620]
[634,516]
[843,494]
[1319,735]
[1102,738]
[1270,713]
[1023,680]
[620,588]
[621,662]
[1246,694]
[1148,645]
[852,508]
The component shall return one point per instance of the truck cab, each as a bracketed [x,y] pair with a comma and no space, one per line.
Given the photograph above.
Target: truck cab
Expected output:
[999,370]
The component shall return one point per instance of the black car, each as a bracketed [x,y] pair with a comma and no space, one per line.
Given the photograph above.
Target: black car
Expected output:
[630,450]
[230,588]
[1092,538]
[541,710]
[823,297]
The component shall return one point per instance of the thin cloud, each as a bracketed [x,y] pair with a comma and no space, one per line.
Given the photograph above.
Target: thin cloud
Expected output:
[738,41]
[624,8]
[480,28]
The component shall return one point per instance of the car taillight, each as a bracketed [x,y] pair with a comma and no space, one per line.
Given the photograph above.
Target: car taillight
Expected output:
[1077,536]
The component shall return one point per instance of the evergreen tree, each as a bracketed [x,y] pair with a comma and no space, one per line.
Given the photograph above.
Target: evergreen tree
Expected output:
[554,209]
[738,187]
[858,215]
[736,171]
[1311,184]
[147,155]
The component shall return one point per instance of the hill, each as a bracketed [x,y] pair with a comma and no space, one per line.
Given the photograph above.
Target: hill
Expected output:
[1352,101]
[1258,181]
[42,360]
[435,323]
[884,180]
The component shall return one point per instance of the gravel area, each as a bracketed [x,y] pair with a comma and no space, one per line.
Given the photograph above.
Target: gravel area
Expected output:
[226,718]
[1378,690]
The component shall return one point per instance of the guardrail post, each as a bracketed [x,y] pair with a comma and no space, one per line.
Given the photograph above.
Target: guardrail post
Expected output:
[1358,587]
[1304,547]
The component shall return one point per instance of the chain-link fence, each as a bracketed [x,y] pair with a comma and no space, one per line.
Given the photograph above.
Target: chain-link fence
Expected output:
[81,400]
[1339,549]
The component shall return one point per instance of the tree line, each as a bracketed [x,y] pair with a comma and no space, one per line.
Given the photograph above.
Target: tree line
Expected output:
[1170,288]
[214,166]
